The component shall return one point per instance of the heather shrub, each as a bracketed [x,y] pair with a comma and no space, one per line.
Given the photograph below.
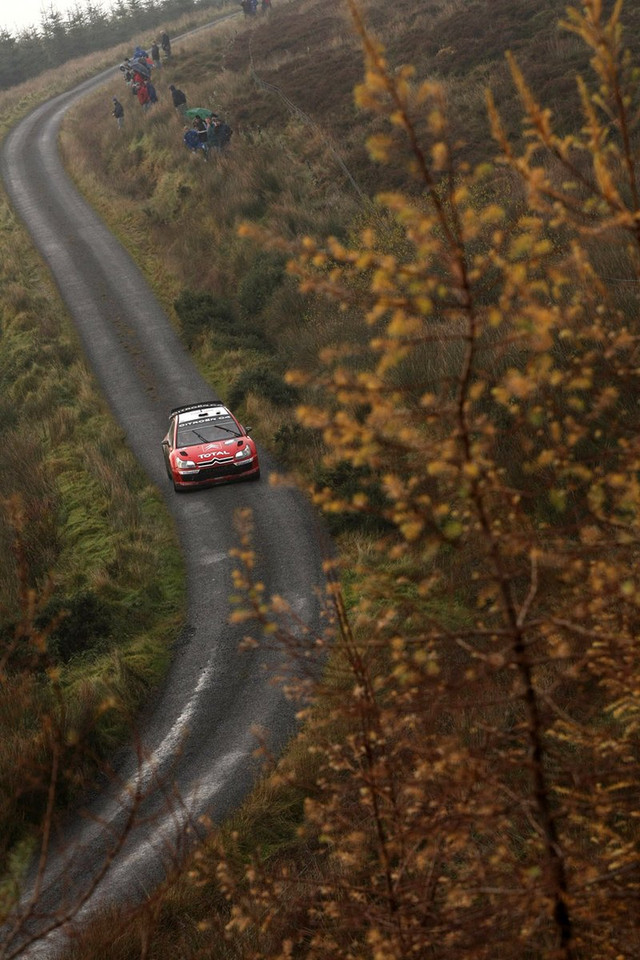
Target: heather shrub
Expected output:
[262,278]
[200,311]
[83,624]
[264,382]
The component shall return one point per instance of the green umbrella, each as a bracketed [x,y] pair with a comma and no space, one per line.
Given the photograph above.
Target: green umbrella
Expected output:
[198,112]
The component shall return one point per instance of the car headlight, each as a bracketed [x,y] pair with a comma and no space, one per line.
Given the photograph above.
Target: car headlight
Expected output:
[244,454]
[183,464]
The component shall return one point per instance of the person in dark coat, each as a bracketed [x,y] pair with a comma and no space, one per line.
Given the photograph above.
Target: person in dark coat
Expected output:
[218,134]
[153,96]
[155,55]
[179,99]
[165,43]
[225,133]
[118,112]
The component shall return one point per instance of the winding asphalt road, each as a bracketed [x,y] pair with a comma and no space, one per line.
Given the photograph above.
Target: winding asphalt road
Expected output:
[198,733]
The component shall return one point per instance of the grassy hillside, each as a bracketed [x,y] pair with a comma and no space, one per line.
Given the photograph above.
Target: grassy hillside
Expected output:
[298,165]
[466,396]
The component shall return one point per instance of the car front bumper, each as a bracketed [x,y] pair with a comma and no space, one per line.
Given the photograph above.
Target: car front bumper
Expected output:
[217,473]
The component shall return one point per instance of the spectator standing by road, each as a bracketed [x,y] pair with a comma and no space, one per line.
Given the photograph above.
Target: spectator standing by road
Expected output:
[165,43]
[218,134]
[179,99]
[155,55]
[118,112]
[142,94]
[153,96]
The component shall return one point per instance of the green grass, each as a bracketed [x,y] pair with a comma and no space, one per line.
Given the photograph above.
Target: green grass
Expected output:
[95,539]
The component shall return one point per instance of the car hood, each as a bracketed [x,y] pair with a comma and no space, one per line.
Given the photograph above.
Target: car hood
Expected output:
[211,452]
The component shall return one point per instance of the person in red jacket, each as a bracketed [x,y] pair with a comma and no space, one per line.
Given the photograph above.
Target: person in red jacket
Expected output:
[143,96]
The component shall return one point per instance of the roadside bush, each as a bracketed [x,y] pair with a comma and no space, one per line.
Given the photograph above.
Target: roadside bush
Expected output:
[84,623]
[265,383]
[344,481]
[201,311]
[290,443]
[261,280]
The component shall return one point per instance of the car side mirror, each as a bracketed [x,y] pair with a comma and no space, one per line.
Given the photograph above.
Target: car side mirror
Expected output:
[247,430]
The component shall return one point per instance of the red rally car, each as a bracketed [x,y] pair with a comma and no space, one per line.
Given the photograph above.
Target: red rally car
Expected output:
[205,444]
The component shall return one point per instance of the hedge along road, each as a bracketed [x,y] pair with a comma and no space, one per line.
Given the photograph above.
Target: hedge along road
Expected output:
[199,732]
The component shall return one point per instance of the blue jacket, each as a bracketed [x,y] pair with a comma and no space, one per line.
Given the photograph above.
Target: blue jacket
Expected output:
[192,140]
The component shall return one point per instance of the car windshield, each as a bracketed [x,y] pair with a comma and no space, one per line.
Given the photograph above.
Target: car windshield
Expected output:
[208,431]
